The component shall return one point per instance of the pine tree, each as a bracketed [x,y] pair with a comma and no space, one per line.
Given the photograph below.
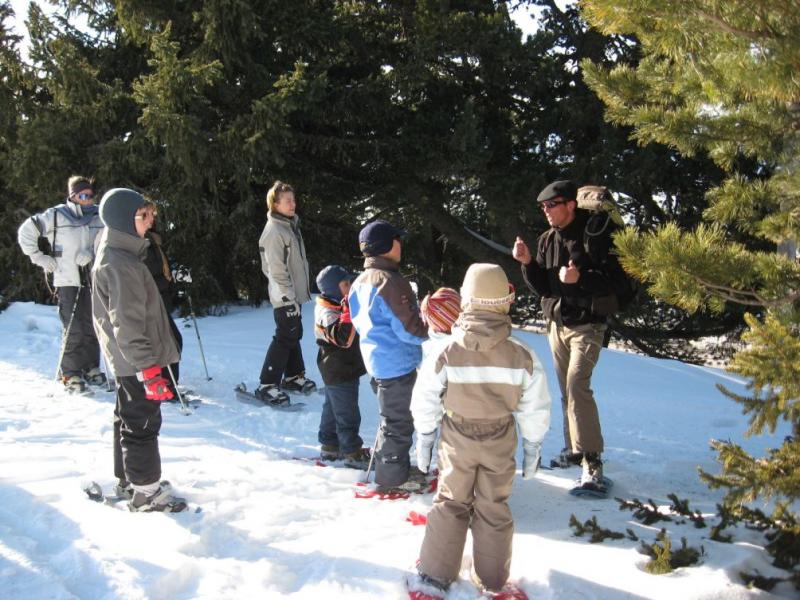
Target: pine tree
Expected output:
[721,77]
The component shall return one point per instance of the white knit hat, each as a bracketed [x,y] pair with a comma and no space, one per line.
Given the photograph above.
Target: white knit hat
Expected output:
[486,288]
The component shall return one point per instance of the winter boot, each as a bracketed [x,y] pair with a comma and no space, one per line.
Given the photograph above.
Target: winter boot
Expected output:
[299,383]
[74,384]
[566,458]
[161,501]
[95,377]
[358,459]
[592,476]
[416,482]
[439,586]
[329,452]
[270,394]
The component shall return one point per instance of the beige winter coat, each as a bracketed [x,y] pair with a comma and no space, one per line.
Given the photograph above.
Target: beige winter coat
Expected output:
[130,320]
[483,374]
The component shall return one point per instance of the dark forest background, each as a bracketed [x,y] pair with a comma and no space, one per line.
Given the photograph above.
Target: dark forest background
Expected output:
[436,115]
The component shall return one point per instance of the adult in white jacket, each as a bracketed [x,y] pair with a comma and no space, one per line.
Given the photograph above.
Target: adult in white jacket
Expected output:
[70,230]
[479,387]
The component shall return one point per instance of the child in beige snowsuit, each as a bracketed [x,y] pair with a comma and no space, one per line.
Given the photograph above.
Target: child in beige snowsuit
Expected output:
[479,386]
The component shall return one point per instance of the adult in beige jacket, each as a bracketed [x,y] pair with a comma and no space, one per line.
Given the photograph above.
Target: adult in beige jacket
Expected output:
[134,332]
[283,261]
[480,387]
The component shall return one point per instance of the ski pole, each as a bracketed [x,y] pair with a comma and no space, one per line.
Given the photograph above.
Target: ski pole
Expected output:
[184,407]
[197,332]
[104,363]
[66,333]
[372,454]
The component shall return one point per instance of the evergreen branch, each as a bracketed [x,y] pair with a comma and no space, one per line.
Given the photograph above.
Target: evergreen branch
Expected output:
[755,579]
[728,28]
[746,297]
[597,533]
[681,507]
[664,558]
[646,514]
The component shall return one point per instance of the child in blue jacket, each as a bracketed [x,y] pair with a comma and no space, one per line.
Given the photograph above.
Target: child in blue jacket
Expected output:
[385,314]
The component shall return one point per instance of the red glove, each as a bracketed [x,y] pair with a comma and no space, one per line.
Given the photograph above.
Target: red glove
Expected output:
[156,388]
[345,318]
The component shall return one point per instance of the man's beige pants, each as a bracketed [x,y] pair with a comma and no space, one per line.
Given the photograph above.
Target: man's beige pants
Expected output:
[576,350]
[476,474]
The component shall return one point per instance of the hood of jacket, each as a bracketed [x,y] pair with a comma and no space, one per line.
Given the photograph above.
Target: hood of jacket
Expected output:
[125,241]
[481,330]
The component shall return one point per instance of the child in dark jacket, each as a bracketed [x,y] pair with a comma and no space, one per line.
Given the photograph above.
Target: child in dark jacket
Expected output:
[340,364]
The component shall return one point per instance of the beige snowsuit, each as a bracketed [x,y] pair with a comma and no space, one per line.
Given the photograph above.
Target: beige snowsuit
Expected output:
[476,385]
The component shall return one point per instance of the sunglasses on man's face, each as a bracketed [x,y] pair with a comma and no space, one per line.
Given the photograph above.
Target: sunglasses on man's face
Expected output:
[548,204]
[85,196]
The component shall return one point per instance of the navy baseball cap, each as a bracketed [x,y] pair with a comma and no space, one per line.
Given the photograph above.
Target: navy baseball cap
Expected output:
[378,237]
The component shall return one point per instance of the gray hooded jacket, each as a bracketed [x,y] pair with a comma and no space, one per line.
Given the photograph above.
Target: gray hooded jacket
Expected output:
[283,260]
[129,316]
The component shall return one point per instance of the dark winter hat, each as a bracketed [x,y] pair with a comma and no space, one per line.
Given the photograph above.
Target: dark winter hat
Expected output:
[329,278]
[118,209]
[78,183]
[377,238]
[565,189]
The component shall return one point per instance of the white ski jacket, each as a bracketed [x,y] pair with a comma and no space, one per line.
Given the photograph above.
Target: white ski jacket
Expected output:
[70,229]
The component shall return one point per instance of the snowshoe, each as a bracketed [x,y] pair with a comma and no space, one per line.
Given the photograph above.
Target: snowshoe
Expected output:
[358,459]
[161,501]
[124,489]
[566,459]
[354,460]
[95,493]
[299,384]
[591,489]
[328,452]
[592,483]
[244,395]
[75,385]
[417,483]
[510,591]
[424,587]
[95,377]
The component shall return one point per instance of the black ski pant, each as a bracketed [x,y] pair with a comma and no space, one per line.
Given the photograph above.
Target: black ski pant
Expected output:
[284,356]
[397,428]
[81,350]
[137,422]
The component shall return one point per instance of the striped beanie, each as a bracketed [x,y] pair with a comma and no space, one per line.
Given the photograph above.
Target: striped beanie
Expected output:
[441,309]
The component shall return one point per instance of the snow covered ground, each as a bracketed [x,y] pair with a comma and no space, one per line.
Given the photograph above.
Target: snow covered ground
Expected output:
[274,527]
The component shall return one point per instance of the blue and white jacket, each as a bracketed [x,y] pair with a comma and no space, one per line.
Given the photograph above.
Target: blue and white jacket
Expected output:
[386,315]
